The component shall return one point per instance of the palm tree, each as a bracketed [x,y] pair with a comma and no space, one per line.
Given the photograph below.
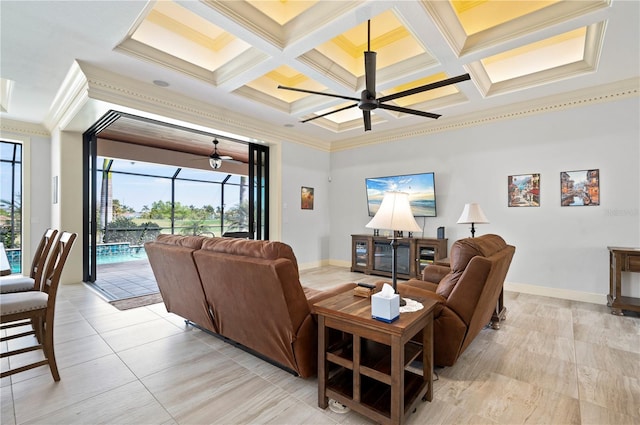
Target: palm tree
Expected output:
[106,198]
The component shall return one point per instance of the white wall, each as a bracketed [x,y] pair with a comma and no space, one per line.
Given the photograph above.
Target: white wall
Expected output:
[307,231]
[40,189]
[67,213]
[564,248]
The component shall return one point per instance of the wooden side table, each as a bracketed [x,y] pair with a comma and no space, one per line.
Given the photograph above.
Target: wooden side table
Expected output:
[367,367]
[622,260]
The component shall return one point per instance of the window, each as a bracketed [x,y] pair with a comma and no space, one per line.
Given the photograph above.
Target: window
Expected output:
[138,200]
[11,202]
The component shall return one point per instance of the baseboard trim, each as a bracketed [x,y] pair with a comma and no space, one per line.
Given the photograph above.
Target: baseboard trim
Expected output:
[565,294]
[340,263]
[314,264]
[525,288]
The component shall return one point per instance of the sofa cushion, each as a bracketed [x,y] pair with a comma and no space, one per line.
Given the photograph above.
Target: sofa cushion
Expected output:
[193,242]
[268,250]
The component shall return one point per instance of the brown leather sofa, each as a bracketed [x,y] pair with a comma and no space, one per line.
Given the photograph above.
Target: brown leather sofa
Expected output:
[467,292]
[246,291]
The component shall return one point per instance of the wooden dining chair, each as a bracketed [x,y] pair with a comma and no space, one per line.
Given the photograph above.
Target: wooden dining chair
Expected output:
[36,308]
[32,282]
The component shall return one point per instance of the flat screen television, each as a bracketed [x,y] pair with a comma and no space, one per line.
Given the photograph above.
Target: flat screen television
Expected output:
[420,187]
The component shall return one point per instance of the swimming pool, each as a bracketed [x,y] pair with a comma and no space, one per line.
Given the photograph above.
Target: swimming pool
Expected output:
[108,253]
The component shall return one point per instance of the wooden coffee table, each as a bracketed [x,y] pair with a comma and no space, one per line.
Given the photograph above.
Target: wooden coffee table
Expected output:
[364,363]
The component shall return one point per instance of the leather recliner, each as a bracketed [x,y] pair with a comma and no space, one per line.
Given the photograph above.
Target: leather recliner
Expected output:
[467,292]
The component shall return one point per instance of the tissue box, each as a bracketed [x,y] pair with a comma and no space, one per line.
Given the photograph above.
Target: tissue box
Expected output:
[385,309]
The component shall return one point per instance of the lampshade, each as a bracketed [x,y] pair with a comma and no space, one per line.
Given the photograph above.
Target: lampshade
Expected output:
[215,162]
[472,213]
[395,214]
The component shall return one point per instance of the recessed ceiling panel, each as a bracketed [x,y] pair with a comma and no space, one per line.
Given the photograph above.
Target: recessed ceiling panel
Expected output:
[282,11]
[479,15]
[470,26]
[174,30]
[344,120]
[546,54]
[426,96]
[389,38]
[552,59]
[286,76]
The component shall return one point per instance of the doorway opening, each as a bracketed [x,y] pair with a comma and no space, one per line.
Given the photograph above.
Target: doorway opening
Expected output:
[144,178]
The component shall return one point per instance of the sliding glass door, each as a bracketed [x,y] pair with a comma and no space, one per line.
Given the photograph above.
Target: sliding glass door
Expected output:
[129,202]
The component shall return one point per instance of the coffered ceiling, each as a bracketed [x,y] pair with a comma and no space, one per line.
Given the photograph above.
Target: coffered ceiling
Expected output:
[234,54]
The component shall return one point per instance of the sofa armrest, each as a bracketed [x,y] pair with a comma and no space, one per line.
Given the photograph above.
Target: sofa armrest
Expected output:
[435,273]
[420,295]
[315,295]
[422,284]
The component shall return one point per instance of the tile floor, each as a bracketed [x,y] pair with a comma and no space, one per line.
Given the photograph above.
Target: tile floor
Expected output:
[127,279]
[553,362]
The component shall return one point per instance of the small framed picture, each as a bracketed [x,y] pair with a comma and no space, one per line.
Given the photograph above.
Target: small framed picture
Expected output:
[306,198]
[524,190]
[580,188]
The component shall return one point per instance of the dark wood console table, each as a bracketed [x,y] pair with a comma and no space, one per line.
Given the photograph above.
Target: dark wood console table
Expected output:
[622,260]
[372,255]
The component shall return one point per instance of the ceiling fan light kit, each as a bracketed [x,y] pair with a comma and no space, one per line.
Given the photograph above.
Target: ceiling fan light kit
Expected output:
[215,160]
[368,101]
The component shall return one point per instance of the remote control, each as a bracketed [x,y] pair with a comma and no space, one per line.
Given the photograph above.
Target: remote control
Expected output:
[367,285]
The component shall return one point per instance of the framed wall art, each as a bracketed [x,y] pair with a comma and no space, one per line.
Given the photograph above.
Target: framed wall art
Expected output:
[306,198]
[524,190]
[580,188]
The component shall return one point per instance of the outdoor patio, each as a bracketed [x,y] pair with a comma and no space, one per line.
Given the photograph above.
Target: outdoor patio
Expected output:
[125,280]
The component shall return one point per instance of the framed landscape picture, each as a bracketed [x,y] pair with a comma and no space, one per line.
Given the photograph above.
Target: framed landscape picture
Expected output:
[306,198]
[524,190]
[580,188]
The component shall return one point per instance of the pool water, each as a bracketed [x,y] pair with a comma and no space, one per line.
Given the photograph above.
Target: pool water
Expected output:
[106,254]
[119,253]
[121,258]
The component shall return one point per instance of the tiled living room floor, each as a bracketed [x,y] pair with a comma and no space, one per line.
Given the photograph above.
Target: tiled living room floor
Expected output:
[125,280]
[554,361]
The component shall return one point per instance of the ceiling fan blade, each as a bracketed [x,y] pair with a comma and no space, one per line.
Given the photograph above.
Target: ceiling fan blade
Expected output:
[367,120]
[330,112]
[409,111]
[431,86]
[320,93]
[370,72]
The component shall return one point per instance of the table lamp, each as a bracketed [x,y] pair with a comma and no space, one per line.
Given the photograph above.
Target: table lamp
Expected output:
[395,214]
[472,214]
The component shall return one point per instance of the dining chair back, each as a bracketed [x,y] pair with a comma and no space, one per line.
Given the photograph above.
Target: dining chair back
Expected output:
[33,281]
[35,310]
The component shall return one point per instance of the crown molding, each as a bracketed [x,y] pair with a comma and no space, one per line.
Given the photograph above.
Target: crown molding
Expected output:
[69,99]
[22,127]
[604,93]
[121,91]
[87,82]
